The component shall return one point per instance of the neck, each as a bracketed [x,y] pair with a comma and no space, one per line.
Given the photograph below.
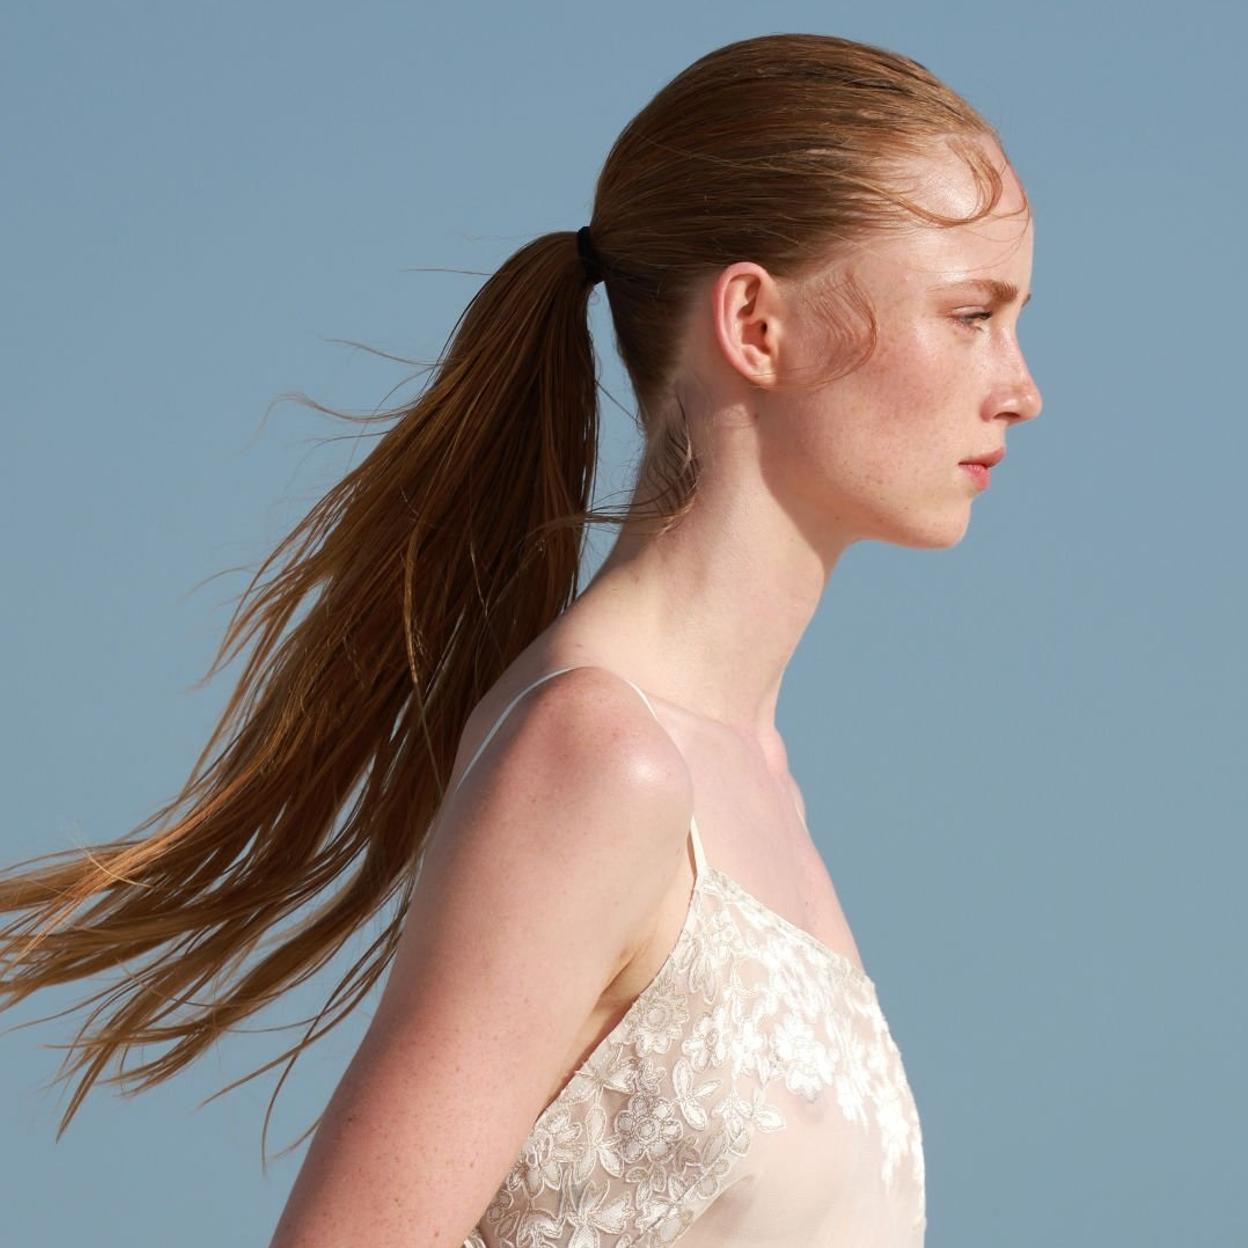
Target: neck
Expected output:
[708,614]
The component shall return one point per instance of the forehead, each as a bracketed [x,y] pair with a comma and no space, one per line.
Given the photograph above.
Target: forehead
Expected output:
[917,259]
[943,181]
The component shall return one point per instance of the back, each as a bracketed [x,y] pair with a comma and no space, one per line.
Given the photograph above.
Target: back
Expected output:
[549,861]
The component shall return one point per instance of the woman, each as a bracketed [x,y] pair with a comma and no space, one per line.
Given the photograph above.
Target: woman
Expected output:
[624,1007]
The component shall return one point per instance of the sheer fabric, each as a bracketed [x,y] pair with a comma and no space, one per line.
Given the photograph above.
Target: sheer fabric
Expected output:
[751,1095]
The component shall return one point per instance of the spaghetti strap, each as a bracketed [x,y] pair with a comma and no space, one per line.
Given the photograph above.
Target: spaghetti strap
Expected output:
[494,727]
[699,858]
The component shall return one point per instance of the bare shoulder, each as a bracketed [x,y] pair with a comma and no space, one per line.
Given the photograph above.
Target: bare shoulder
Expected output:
[583,735]
[579,788]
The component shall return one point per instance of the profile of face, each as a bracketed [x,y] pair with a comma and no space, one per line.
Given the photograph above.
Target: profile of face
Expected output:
[877,454]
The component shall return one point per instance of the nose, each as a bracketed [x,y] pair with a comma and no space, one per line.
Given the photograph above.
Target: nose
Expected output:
[1020,398]
[1029,402]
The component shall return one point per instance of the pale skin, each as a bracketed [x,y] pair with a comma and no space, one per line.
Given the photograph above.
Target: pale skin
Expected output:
[559,874]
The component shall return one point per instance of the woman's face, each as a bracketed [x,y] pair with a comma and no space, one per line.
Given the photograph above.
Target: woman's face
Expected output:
[877,454]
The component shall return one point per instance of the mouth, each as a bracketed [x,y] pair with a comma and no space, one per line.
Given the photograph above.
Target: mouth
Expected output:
[989,460]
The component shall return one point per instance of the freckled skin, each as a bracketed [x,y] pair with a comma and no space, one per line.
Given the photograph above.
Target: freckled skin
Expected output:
[874,455]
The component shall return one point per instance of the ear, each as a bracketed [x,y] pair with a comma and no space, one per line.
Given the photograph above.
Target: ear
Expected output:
[746,311]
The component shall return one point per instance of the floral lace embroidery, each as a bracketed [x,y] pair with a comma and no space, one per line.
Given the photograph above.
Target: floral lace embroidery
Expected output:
[650,1129]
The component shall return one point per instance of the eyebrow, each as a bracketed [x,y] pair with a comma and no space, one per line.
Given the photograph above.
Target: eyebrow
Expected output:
[1003,292]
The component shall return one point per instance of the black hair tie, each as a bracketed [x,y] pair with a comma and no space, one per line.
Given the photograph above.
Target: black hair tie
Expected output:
[589,256]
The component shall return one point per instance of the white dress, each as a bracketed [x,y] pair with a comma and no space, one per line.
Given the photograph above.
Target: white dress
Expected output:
[751,1095]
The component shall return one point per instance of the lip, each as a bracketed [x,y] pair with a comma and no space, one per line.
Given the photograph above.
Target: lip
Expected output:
[989,460]
[981,474]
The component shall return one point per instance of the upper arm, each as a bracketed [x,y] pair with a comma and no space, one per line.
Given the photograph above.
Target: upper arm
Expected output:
[545,874]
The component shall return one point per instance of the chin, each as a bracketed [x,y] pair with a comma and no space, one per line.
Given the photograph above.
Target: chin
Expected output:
[932,533]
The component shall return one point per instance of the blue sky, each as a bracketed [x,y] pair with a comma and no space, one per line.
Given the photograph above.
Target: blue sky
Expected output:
[1022,757]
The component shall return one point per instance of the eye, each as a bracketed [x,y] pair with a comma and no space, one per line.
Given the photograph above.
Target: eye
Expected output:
[966,318]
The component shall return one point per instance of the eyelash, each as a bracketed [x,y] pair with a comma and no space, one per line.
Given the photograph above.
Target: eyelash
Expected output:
[967,317]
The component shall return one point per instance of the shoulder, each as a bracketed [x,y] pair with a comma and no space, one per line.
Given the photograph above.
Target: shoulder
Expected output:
[582,737]
[568,831]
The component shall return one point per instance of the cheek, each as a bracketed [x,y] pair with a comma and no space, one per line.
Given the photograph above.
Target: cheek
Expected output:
[845,443]
[915,408]
[915,377]
[873,433]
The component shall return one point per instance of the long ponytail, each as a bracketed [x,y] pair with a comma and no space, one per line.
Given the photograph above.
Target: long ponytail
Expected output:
[428,568]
